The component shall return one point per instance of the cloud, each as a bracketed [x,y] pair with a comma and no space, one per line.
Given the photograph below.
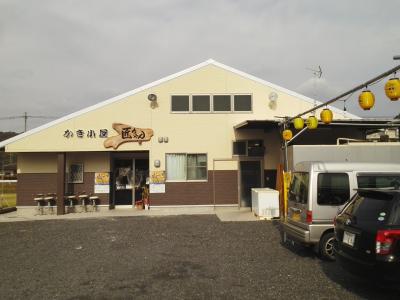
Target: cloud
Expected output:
[59,56]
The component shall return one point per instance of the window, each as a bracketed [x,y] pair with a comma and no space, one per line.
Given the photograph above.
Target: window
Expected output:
[182,166]
[298,191]
[368,207]
[222,103]
[242,102]
[333,188]
[201,103]
[75,173]
[378,181]
[240,148]
[180,103]
[196,167]
[248,148]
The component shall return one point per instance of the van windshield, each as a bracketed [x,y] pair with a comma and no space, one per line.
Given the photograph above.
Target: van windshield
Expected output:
[378,181]
[298,191]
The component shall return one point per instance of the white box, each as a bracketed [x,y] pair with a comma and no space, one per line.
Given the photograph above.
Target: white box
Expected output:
[265,202]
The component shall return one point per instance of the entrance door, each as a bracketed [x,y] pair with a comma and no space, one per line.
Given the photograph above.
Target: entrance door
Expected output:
[250,177]
[123,181]
[129,178]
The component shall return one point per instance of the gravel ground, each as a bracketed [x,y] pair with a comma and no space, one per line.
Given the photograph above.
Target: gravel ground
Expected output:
[191,257]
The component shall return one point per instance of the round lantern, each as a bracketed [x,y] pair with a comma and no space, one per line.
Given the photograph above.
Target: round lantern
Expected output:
[298,123]
[366,100]
[326,115]
[392,89]
[287,134]
[312,122]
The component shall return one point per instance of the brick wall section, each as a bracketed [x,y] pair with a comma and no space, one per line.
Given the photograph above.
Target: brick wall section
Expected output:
[30,184]
[200,193]
[177,193]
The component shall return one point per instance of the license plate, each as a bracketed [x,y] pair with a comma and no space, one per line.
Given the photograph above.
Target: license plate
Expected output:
[348,238]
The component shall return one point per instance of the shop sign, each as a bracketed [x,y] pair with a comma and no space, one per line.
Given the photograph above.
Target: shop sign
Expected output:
[102,183]
[157,177]
[127,133]
[90,134]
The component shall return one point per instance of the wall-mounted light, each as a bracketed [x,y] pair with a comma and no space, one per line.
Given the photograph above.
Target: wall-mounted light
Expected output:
[157,163]
[152,97]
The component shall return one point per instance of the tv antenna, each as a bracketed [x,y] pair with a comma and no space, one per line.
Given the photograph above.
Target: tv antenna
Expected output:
[316,73]
[25,116]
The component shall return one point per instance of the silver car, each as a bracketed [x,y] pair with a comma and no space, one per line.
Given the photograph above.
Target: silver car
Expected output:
[319,190]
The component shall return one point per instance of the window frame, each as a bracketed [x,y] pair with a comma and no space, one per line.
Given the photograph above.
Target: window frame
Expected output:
[211,111]
[186,167]
[69,172]
[242,111]
[201,111]
[318,188]
[180,112]
[222,111]
[247,147]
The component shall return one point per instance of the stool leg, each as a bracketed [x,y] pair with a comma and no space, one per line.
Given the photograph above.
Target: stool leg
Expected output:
[71,204]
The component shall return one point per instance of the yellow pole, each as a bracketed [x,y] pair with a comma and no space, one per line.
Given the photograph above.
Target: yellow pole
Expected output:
[286,184]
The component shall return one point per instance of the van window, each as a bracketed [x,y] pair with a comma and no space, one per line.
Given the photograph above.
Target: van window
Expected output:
[378,181]
[298,191]
[333,188]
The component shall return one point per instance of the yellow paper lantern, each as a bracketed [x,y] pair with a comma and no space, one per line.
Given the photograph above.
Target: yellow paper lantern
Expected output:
[326,115]
[366,100]
[312,122]
[298,123]
[392,89]
[287,134]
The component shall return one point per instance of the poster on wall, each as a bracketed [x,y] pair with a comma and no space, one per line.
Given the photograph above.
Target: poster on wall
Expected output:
[158,177]
[102,183]
[157,188]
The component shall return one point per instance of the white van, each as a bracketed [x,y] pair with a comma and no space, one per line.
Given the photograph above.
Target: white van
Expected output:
[319,190]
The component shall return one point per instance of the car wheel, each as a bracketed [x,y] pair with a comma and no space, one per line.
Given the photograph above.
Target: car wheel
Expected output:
[326,246]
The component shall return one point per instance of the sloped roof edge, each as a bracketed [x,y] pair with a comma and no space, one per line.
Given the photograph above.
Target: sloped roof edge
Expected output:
[158,82]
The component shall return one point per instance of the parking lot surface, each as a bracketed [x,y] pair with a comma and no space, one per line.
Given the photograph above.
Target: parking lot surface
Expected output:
[188,257]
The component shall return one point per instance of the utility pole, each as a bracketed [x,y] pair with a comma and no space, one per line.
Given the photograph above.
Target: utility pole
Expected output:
[25,116]
[25,121]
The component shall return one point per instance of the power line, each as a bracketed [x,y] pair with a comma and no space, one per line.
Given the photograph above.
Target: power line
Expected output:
[25,116]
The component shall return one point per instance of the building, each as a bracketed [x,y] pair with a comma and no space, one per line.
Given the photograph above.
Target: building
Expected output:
[202,136]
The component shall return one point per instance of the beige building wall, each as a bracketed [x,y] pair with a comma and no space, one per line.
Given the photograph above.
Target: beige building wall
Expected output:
[47,162]
[210,133]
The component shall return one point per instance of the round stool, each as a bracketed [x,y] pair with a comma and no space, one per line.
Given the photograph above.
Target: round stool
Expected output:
[94,200]
[83,198]
[71,206]
[39,199]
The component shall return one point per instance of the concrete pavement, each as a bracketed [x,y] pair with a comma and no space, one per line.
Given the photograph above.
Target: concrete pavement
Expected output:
[225,214]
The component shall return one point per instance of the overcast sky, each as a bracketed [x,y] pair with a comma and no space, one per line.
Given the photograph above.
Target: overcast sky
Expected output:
[57,57]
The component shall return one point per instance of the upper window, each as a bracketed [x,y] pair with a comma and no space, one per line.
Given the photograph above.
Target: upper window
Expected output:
[201,103]
[211,103]
[75,173]
[222,102]
[180,103]
[242,102]
[333,188]
[182,166]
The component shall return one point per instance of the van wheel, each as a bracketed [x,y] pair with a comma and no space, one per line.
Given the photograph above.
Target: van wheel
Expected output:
[326,246]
